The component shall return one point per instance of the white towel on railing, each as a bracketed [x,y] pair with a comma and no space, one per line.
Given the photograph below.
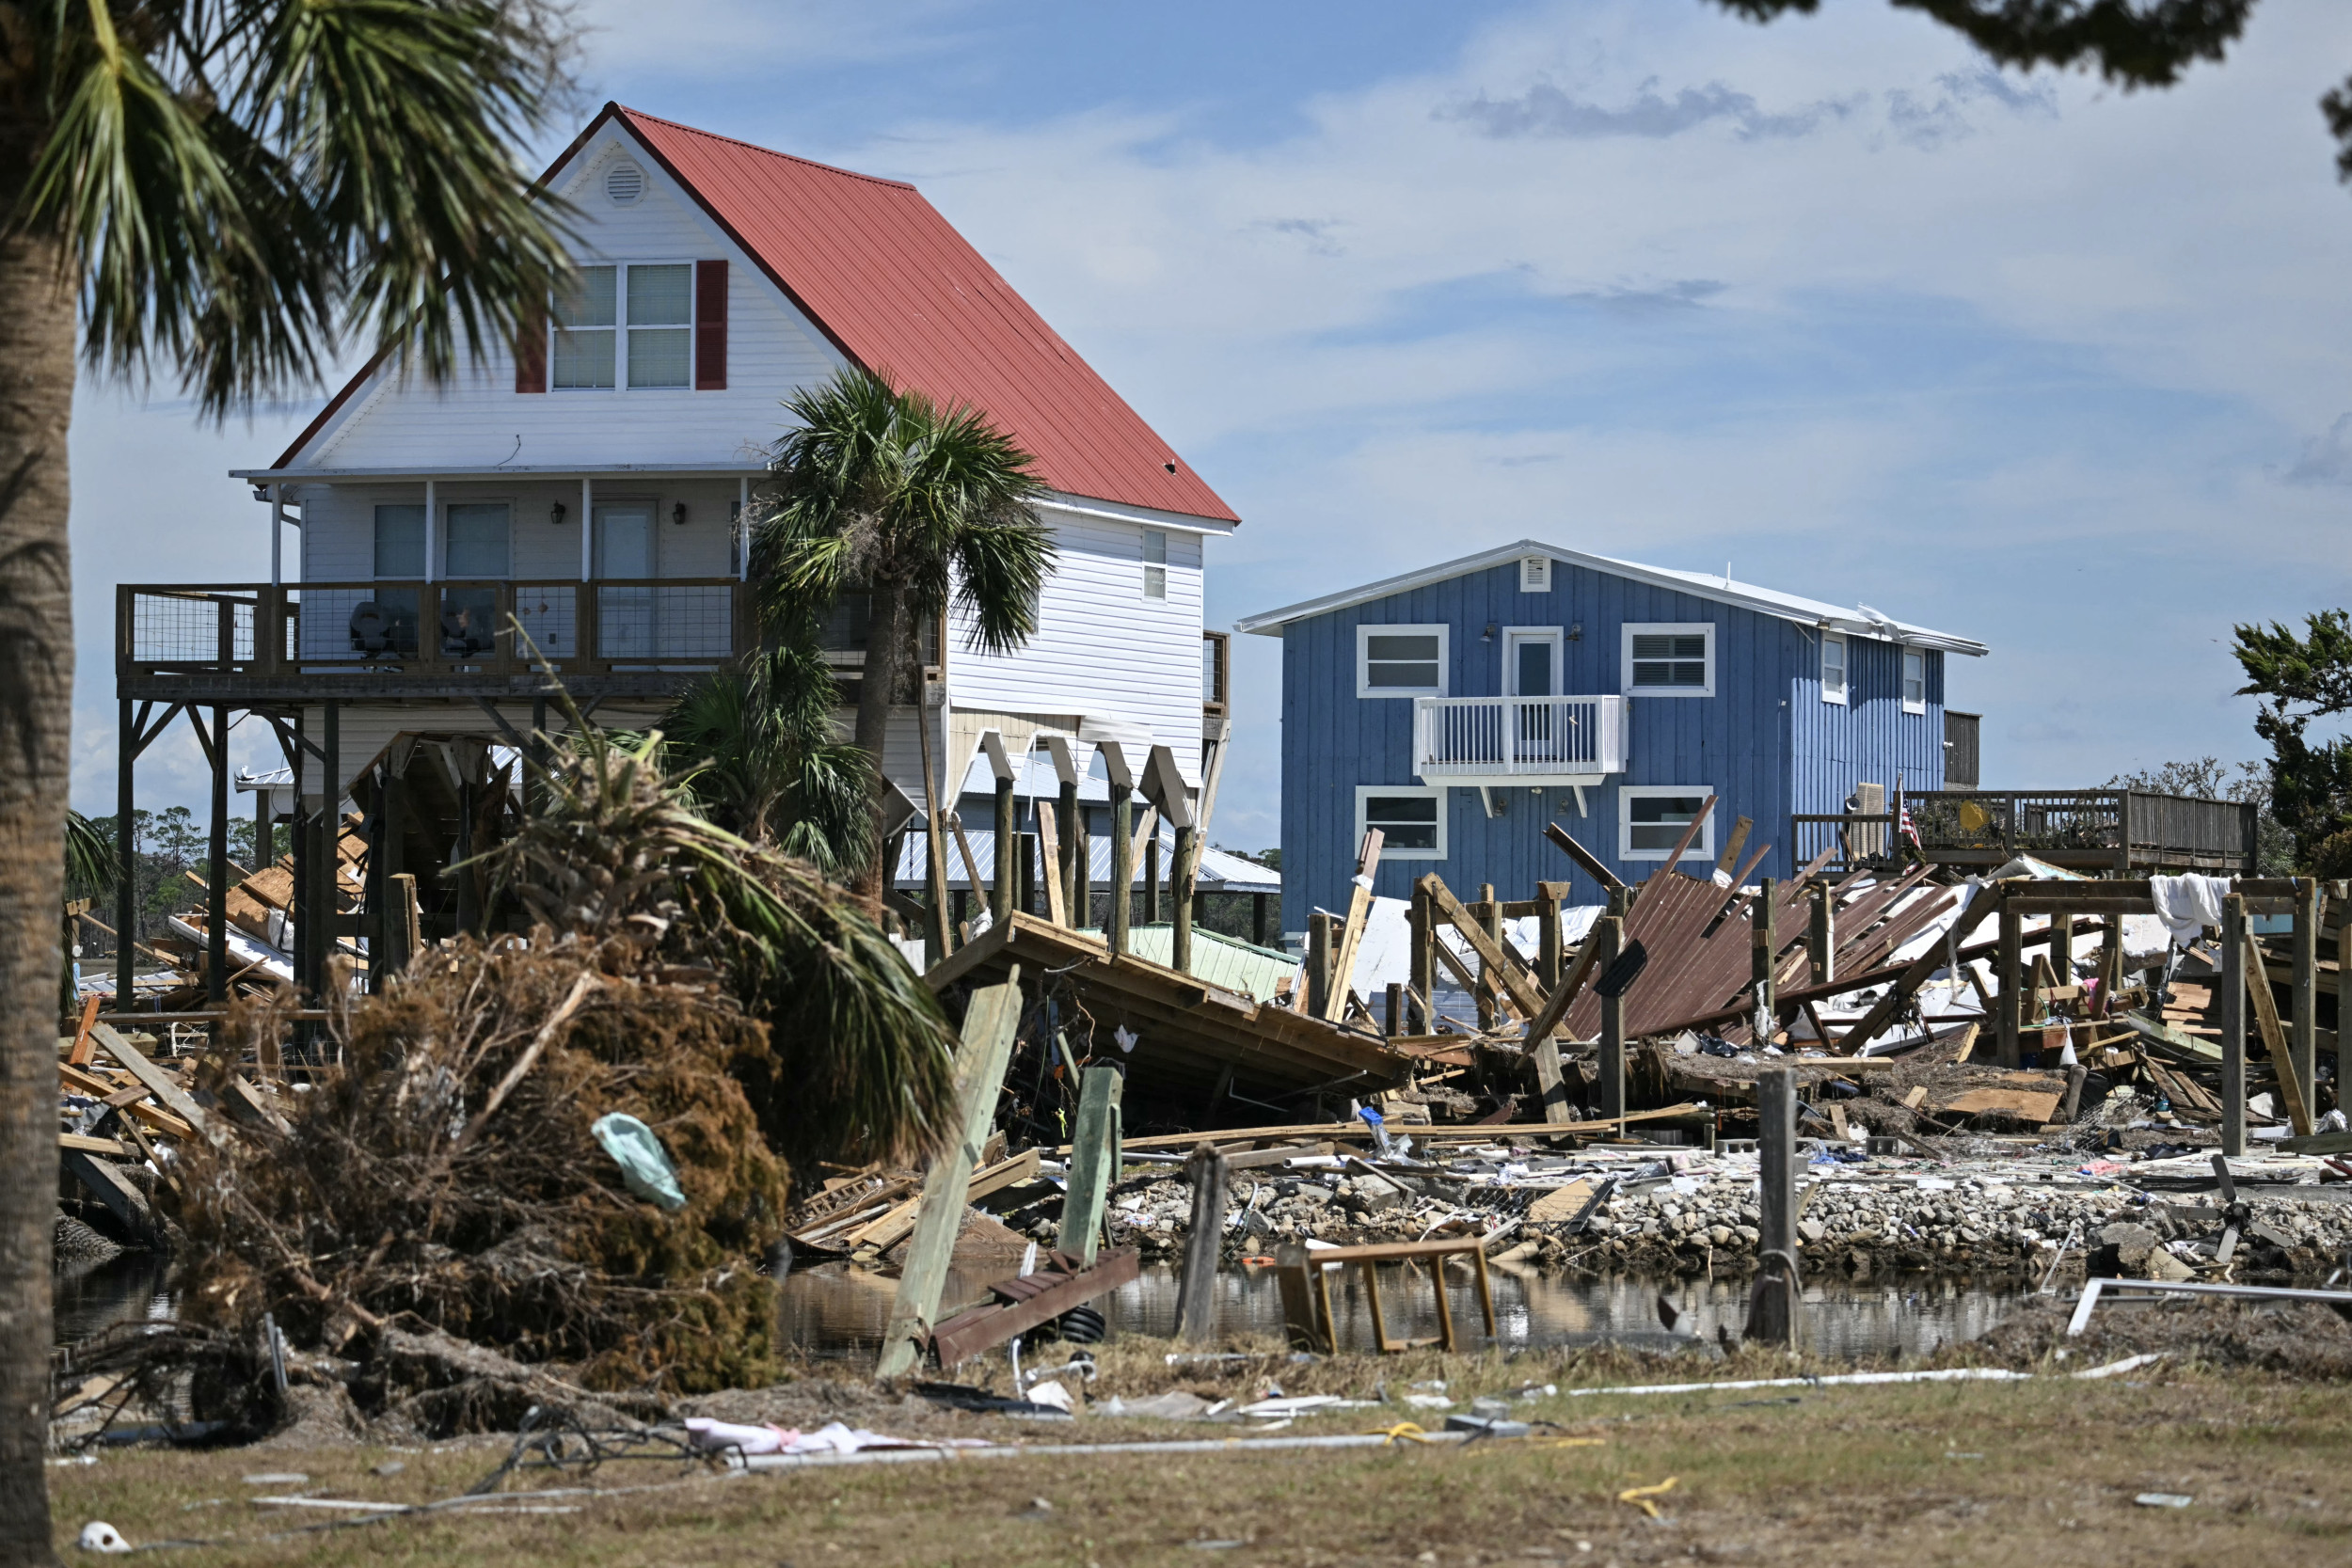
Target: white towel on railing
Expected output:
[2188,904]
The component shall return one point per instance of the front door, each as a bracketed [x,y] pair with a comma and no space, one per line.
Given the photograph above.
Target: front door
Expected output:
[624,544]
[1531,669]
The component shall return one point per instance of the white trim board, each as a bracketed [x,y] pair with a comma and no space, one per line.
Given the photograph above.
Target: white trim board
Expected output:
[1860,621]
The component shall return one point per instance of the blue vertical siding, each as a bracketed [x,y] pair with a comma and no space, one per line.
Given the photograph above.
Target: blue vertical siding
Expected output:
[1871,739]
[1739,742]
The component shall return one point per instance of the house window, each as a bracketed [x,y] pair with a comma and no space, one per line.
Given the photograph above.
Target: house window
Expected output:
[1535,574]
[1669,660]
[1155,563]
[625,326]
[1914,681]
[660,326]
[399,543]
[1652,820]
[1833,667]
[1399,661]
[477,542]
[585,328]
[1411,820]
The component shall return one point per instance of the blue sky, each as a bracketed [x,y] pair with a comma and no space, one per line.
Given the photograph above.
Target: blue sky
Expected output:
[2023,358]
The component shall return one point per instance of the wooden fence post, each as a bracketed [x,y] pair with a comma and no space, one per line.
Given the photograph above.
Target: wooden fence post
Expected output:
[2010,1000]
[990,1021]
[1609,932]
[1196,1292]
[1773,1309]
[2232,1025]
[2303,1029]
[1093,1161]
[1318,963]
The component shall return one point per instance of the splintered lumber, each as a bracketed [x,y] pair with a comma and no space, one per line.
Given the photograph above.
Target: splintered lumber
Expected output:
[2273,1038]
[86,1144]
[990,1021]
[1188,1030]
[1583,858]
[887,1232]
[1916,973]
[156,1082]
[1505,970]
[78,1054]
[2031,1105]
[1352,934]
[1032,1300]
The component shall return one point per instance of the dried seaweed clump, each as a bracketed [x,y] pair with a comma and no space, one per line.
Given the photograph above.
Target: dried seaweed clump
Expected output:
[444,1177]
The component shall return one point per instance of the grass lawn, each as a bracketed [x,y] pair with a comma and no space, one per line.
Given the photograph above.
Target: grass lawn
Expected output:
[2039,1473]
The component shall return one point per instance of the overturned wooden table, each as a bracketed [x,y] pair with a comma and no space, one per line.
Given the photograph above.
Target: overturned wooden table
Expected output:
[1305,1277]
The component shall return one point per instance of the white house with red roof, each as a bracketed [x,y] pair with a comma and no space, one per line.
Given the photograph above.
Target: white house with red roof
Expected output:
[592,486]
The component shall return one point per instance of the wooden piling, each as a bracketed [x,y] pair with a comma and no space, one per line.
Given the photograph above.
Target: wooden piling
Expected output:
[2303,1029]
[2232,1025]
[1196,1292]
[1093,1161]
[1761,950]
[2010,1000]
[1318,963]
[1820,946]
[1773,1312]
[1609,932]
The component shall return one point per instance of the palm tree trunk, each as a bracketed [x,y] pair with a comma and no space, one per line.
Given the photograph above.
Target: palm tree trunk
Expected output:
[37,316]
[878,687]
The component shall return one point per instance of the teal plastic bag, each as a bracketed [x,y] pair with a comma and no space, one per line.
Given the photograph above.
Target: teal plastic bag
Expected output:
[645,1166]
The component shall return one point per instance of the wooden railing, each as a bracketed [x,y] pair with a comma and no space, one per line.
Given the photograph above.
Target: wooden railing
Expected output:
[2087,830]
[330,628]
[1499,738]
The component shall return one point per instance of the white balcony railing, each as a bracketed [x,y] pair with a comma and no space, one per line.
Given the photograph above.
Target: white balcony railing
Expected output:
[1476,739]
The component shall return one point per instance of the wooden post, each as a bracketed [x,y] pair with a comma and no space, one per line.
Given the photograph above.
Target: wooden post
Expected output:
[1489,917]
[938,939]
[1609,933]
[2296,1103]
[2011,999]
[1550,1081]
[1008,853]
[2343,1003]
[1024,893]
[216,899]
[1067,864]
[1773,1319]
[1196,1292]
[1820,940]
[1423,963]
[2110,963]
[1081,871]
[1550,958]
[1395,1008]
[990,1020]
[1318,964]
[1054,857]
[127,857]
[1151,881]
[1122,866]
[2061,948]
[1761,948]
[2232,1025]
[1093,1161]
[1260,905]
[1180,938]
[406,919]
[2303,1031]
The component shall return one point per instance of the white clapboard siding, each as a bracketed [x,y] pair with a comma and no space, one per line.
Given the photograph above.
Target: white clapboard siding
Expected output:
[480,420]
[1102,649]
[363,730]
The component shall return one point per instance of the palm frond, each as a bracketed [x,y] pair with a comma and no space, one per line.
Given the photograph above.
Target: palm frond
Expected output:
[90,854]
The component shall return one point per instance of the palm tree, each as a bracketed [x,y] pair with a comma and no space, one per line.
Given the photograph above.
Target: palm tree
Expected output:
[754,746]
[883,491]
[221,191]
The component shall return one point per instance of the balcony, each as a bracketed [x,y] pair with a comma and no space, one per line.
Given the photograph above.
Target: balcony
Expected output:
[1539,741]
[240,642]
[2116,831]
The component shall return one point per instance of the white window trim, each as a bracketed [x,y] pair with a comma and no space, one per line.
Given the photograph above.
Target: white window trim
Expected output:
[1702,847]
[1653,628]
[620,326]
[1845,667]
[1903,677]
[1389,852]
[1553,635]
[1444,634]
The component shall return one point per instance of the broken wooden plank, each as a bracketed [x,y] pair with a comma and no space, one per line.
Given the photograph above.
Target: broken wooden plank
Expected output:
[1352,934]
[1505,970]
[887,1232]
[158,1083]
[1583,858]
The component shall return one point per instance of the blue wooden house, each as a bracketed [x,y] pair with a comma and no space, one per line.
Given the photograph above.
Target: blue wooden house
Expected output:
[1463,707]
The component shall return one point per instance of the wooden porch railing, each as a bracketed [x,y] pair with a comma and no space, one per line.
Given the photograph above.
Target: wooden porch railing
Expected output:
[2086,829]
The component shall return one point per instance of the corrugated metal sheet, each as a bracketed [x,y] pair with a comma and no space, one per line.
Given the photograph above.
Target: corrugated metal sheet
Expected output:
[1222,960]
[899,291]
[1221,872]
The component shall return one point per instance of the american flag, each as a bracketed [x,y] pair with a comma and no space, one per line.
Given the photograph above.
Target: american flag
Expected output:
[1903,816]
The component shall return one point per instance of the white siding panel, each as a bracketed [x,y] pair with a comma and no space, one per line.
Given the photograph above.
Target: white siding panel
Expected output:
[1102,649]
[339,524]
[481,420]
[363,730]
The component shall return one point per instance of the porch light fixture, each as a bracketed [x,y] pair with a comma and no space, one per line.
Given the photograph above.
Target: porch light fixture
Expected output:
[555,514]
[678,515]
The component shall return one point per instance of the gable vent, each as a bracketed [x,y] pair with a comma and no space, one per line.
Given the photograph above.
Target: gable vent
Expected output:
[624,183]
[1534,574]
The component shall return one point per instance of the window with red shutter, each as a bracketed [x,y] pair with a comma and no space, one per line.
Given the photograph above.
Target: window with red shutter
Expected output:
[711,326]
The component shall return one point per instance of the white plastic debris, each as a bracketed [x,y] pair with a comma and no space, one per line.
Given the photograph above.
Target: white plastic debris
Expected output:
[1051,1393]
[99,1536]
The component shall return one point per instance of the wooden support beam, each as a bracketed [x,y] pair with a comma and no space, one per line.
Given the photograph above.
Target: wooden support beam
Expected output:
[1583,858]
[1052,856]
[991,1018]
[1195,1292]
[1506,971]
[1095,1152]
[1607,940]
[1351,936]
[2233,981]
[2275,1038]
[2303,1027]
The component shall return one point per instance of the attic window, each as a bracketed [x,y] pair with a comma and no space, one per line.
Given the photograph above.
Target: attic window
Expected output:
[624,183]
[1535,574]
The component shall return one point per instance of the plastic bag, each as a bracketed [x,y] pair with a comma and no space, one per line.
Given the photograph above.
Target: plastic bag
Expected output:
[645,1166]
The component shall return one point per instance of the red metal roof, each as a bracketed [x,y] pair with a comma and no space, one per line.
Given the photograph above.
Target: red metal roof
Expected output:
[899,292]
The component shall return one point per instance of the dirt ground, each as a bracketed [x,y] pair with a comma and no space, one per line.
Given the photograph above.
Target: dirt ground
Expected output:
[2245,1416]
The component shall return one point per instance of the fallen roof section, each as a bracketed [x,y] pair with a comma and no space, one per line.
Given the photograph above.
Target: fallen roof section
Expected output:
[1190,1032]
